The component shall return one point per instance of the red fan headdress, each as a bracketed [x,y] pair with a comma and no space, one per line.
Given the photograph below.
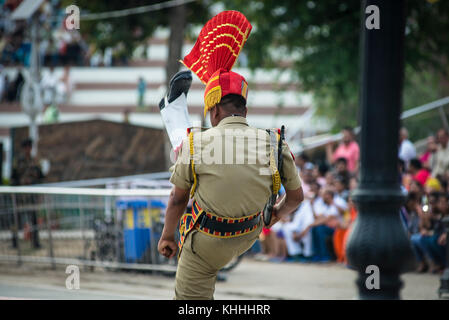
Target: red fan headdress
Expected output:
[214,54]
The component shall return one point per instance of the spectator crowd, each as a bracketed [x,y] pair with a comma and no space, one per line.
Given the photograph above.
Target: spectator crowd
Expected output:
[319,229]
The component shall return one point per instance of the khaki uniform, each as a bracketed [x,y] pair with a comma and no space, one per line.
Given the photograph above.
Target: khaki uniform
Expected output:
[232,184]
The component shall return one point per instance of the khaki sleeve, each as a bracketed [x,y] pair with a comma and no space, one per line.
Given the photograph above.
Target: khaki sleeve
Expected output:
[289,174]
[181,171]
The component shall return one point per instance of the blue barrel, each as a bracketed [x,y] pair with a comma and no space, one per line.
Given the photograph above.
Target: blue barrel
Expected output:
[138,218]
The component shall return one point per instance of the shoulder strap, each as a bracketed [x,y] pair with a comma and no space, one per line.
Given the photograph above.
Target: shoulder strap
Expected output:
[274,156]
[192,164]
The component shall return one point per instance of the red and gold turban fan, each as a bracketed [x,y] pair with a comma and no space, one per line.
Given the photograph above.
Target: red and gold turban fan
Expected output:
[214,54]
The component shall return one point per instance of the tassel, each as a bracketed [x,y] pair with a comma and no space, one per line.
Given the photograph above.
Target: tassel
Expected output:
[212,97]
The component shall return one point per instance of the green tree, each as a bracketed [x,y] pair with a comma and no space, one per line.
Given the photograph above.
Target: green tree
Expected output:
[324,37]
[133,30]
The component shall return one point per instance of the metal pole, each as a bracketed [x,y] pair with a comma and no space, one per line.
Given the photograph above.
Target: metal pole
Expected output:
[50,238]
[16,228]
[378,238]
[83,236]
[35,77]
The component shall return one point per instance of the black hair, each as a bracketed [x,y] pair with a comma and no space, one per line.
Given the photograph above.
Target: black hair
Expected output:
[412,196]
[27,143]
[323,168]
[304,157]
[415,163]
[342,160]
[233,103]
[348,128]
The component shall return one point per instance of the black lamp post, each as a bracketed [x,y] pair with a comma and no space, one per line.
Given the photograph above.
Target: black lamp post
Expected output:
[378,237]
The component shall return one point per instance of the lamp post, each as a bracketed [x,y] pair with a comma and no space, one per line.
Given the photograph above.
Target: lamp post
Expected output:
[378,237]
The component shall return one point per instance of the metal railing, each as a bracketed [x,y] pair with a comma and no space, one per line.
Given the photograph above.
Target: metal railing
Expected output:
[110,228]
[318,141]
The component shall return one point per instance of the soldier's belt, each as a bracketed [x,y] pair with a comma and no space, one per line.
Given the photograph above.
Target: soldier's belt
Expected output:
[216,226]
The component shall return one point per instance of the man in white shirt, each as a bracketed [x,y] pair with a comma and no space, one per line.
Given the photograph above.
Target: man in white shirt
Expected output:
[297,235]
[326,219]
[407,150]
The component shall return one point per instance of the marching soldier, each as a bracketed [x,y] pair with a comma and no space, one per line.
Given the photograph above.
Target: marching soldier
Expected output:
[230,170]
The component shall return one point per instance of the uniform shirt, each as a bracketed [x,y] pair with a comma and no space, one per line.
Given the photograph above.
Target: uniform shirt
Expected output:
[234,179]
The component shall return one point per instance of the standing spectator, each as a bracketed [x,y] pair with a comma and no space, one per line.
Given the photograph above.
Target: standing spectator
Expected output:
[440,159]
[141,88]
[432,147]
[348,149]
[48,84]
[27,171]
[407,150]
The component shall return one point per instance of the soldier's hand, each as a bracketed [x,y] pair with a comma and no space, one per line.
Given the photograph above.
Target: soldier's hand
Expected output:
[274,218]
[167,247]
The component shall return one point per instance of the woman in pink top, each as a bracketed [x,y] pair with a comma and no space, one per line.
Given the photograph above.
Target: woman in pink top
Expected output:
[432,147]
[348,149]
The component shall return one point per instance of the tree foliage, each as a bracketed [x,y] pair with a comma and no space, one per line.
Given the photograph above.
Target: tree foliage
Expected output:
[324,36]
[130,30]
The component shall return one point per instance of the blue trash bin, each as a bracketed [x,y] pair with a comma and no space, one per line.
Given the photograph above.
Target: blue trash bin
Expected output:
[137,226]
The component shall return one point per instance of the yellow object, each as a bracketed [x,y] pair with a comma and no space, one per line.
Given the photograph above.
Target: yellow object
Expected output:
[212,97]
[129,219]
[192,190]
[434,184]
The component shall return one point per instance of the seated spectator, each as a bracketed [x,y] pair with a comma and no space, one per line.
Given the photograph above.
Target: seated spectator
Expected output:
[417,171]
[434,242]
[307,178]
[432,185]
[342,232]
[430,243]
[301,160]
[341,170]
[319,173]
[297,235]
[326,219]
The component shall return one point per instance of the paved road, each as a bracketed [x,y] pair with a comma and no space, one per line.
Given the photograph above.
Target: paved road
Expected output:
[250,280]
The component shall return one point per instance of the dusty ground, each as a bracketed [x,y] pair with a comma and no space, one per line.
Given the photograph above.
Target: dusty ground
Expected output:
[250,280]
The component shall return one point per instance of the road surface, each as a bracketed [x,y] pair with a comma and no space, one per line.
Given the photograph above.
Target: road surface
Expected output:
[250,280]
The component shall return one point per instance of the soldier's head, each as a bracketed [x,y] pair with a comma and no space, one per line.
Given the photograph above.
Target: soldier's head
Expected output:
[231,104]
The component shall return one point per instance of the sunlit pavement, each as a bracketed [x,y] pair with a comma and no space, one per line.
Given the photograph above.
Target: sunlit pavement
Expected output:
[249,280]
